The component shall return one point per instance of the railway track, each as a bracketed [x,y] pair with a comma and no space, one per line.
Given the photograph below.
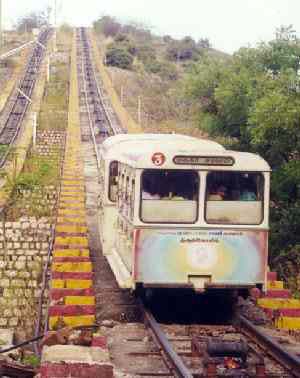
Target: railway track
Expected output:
[12,125]
[98,121]
[244,350]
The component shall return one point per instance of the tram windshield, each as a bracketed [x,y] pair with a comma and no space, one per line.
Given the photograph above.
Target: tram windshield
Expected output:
[234,198]
[169,196]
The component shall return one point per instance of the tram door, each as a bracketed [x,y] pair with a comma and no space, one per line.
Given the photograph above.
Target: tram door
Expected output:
[125,228]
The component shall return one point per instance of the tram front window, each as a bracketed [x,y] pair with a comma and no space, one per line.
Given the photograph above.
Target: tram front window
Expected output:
[234,198]
[169,196]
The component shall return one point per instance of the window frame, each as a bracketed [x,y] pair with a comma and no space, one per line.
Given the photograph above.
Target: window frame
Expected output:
[236,224]
[132,199]
[109,177]
[194,171]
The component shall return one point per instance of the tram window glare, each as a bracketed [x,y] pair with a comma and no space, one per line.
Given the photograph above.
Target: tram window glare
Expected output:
[169,196]
[234,198]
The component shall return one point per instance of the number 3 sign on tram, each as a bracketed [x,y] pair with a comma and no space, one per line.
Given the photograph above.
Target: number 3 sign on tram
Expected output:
[158,159]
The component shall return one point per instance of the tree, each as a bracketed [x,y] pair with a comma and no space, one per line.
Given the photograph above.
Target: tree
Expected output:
[203,43]
[185,49]
[33,20]
[253,100]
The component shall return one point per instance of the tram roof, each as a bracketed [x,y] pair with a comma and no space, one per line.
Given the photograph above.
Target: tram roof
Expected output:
[123,141]
[137,151]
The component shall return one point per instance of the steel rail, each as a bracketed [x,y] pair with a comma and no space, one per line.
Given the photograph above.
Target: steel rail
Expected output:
[178,367]
[100,94]
[17,85]
[273,348]
[33,63]
[91,123]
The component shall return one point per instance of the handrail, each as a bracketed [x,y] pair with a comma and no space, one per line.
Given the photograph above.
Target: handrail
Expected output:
[16,50]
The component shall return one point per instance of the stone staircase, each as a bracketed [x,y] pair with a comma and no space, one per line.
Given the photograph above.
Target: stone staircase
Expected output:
[279,304]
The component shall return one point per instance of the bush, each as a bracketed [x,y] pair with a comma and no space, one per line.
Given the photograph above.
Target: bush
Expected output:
[121,37]
[119,57]
[186,49]
[166,70]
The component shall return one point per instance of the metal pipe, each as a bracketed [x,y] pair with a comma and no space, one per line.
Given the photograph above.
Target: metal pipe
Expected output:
[16,50]
[24,343]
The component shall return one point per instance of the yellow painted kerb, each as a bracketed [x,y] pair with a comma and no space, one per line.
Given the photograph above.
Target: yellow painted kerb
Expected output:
[72,284]
[71,253]
[72,321]
[84,267]
[80,301]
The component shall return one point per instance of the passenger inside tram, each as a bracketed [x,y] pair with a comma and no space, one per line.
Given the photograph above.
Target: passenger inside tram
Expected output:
[217,193]
[234,197]
[169,196]
[169,185]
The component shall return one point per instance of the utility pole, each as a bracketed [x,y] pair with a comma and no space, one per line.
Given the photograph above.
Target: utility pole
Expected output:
[139,110]
[1,39]
[122,95]
[55,24]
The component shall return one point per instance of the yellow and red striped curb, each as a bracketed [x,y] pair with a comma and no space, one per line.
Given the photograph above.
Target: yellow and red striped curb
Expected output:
[71,253]
[278,304]
[275,285]
[72,321]
[72,296]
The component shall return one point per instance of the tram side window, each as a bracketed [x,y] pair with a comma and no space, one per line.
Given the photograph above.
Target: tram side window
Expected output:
[169,196]
[234,198]
[132,199]
[113,181]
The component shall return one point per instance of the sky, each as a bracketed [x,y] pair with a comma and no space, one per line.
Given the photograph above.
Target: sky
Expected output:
[229,24]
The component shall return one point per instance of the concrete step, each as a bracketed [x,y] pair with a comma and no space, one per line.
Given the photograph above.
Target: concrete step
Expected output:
[277,285]
[278,303]
[278,293]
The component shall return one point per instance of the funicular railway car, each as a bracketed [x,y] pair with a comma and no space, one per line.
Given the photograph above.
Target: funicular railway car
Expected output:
[181,212]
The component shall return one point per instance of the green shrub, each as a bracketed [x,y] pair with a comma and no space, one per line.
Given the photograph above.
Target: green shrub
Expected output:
[119,57]
[166,70]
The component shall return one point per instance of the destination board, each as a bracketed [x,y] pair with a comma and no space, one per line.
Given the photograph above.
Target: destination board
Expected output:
[203,160]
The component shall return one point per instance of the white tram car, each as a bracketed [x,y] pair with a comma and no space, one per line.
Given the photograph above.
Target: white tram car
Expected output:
[181,212]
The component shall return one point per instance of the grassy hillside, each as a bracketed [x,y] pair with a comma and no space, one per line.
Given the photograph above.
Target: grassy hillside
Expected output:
[147,70]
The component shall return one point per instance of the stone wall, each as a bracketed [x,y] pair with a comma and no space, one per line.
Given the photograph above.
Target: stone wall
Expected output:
[49,142]
[45,198]
[23,252]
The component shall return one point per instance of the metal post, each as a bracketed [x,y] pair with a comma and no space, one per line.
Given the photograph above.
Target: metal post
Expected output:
[48,69]
[1,44]
[112,78]
[122,95]
[55,25]
[139,110]
[34,126]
